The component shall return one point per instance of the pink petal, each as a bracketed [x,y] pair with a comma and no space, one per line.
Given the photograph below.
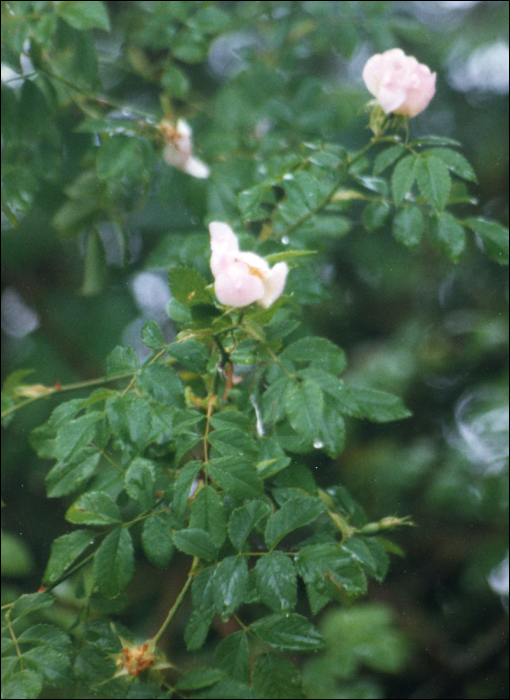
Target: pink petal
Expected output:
[274,284]
[235,286]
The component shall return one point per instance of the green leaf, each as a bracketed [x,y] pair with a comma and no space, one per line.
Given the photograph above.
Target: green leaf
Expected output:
[409,226]
[297,512]
[332,434]
[198,627]
[304,404]
[157,540]
[183,485]
[272,458]
[24,684]
[163,384]
[256,203]
[178,312]
[335,388]
[208,513]
[379,406]
[139,482]
[210,20]
[85,15]
[199,678]
[69,476]
[494,237]
[230,585]
[94,508]
[346,504]
[275,677]
[272,403]
[175,82]
[130,418]
[375,214]
[373,640]
[188,286]
[76,434]
[289,633]
[192,354]
[49,654]
[448,234]
[152,335]
[204,610]
[114,563]
[15,380]
[64,552]
[234,442]
[29,603]
[244,519]
[94,275]
[121,361]
[116,156]
[331,571]
[403,178]
[289,255]
[319,352]
[190,47]
[17,560]
[230,418]
[387,157]
[237,476]
[455,162]
[228,689]
[232,656]
[434,181]
[368,554]
[277,581]
[196,543]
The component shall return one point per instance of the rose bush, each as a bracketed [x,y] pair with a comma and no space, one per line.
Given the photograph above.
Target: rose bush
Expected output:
[198,539]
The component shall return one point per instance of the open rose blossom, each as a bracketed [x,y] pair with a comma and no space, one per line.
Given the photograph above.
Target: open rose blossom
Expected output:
[179,149]
[241,278]
[399,83]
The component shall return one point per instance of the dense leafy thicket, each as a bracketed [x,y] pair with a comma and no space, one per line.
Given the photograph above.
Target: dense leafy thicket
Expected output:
[220,456]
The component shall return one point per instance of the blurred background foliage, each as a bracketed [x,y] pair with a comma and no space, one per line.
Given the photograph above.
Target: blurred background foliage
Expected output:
[91,219]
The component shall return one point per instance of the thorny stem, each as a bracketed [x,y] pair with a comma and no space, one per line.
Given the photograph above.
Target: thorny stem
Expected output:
[68,387]
[210,403]
[15,642]
[177,603]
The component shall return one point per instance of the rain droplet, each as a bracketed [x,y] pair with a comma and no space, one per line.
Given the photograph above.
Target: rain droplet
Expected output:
[288,176]
[285,240]
[318,444]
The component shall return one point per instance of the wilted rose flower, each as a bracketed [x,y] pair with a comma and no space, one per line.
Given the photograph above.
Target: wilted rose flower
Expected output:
[242,278]
[179,149]
[399,83]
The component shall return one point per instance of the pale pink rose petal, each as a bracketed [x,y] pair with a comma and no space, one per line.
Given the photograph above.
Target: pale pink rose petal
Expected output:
[224,246]
[195,167]
[418,98]
[274,284]
[255,262]
[235,286]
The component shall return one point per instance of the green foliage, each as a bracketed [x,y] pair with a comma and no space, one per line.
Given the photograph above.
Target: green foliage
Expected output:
[362,636]
[219,452]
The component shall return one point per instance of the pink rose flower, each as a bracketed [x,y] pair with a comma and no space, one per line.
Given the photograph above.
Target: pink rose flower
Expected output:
[241,278]
[179,149]
[399,83]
